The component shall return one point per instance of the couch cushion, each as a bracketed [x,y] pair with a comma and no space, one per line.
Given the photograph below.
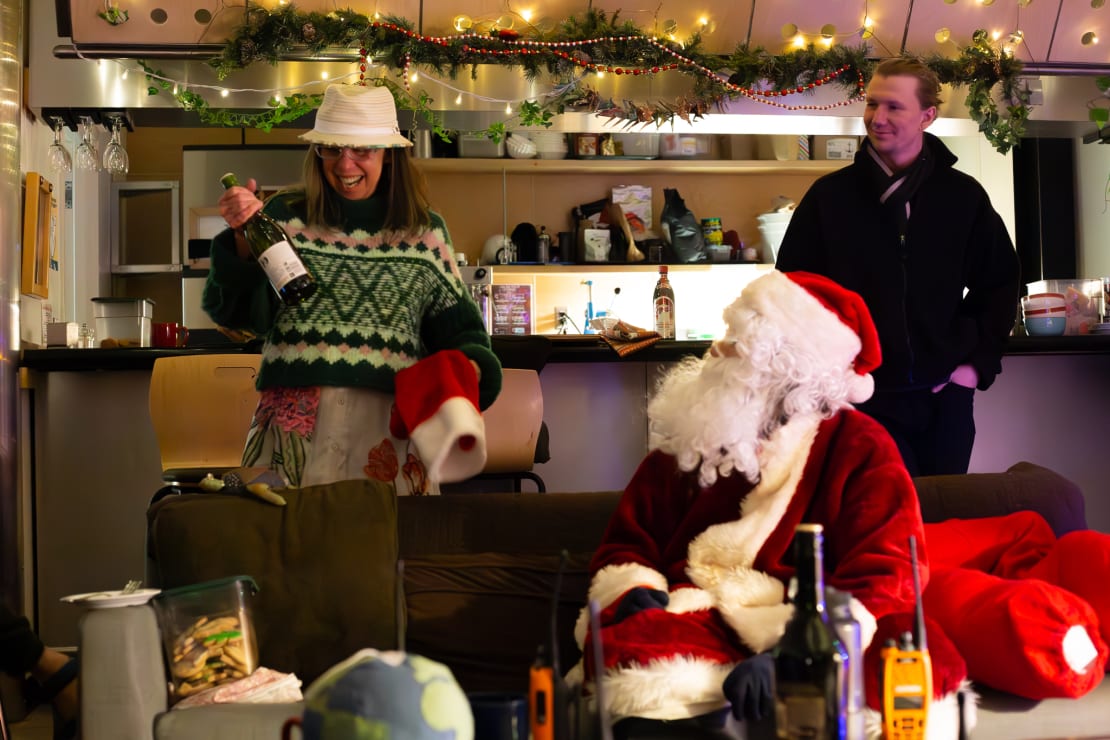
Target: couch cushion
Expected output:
[331,539]
[485,614]
[1023,487]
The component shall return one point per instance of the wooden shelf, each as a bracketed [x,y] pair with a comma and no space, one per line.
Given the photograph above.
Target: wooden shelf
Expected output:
[630,166]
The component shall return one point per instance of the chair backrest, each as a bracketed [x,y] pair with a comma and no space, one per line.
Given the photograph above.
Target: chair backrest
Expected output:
[201,407]
[513,422]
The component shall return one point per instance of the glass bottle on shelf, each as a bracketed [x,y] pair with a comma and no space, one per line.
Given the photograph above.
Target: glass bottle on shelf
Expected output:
[663,305]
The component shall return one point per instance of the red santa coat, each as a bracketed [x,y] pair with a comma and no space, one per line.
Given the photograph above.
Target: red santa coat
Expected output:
[724,554]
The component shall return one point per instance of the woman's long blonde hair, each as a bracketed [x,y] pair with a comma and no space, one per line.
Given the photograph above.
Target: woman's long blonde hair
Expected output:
[401,184]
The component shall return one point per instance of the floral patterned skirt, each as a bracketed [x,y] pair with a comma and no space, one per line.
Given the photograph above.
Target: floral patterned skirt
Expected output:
[325,434]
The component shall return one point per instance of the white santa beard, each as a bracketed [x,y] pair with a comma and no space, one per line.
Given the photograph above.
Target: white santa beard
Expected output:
[715,414]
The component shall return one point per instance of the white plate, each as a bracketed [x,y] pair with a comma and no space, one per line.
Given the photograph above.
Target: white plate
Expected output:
[109,599]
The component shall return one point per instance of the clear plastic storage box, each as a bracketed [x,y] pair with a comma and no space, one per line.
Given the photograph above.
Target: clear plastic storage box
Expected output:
[208,633]
[123,322]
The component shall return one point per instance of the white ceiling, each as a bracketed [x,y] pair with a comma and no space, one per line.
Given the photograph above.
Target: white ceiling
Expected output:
[1052,29]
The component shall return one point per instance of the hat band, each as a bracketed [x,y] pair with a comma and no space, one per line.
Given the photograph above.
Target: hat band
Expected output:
[355,129]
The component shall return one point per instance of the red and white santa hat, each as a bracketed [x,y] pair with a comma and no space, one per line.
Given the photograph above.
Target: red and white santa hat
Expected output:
[437,408]
[817,313]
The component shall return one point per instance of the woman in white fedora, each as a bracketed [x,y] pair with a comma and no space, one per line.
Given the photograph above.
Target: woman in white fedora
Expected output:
[390,311]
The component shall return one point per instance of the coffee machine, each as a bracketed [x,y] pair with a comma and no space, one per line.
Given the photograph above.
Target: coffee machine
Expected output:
[478,279]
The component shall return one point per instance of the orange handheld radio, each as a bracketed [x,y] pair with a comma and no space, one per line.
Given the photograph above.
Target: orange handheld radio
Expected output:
[549,703]
[907,679]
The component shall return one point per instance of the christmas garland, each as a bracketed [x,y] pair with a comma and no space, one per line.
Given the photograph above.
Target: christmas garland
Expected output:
[590,43]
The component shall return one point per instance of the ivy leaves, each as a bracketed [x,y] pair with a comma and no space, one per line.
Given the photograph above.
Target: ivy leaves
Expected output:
[995,100]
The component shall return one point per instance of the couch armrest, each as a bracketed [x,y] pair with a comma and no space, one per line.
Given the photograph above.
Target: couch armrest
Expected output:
[123,676]
[1023,487]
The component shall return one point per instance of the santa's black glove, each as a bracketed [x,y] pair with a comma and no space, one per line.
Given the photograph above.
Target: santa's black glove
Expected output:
[750,688]
[639,599]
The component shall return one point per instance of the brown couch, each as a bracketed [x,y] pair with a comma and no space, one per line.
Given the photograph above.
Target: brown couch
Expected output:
[479,572]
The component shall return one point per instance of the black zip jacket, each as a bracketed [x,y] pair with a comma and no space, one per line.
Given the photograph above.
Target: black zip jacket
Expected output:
[914,283]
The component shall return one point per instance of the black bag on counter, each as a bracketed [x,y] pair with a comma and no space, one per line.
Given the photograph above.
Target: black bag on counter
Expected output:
[682,229]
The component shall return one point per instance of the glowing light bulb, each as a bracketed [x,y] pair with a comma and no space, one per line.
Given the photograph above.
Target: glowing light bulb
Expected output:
[414,77]
[799,41]
[324,75]
[224,92]
[1017,36]
[526,15]
[508,109]
[942,35]
[996,35]
[868,29]
[600,74]
[463,23]
[506,22]
[458,99]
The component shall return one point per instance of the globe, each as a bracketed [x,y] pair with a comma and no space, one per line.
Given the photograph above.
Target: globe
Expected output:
[387,696]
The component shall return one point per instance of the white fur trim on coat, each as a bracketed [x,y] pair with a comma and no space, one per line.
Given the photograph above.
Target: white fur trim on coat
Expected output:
[609,584]
[674,688]
[721,557]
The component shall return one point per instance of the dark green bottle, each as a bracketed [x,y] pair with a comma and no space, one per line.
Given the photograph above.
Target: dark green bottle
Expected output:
[270,245]
[809,660]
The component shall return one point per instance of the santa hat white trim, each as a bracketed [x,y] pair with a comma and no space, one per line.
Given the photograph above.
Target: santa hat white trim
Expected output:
[809,324]
[452,442]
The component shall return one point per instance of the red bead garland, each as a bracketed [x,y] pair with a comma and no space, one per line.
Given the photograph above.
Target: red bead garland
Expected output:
[524,47]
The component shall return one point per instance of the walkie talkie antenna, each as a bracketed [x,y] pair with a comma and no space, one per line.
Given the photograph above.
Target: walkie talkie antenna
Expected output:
[564,556]
[919,640]
[604,727]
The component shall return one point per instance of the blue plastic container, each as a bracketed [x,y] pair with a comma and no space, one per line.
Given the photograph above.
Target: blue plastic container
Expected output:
[1045,326]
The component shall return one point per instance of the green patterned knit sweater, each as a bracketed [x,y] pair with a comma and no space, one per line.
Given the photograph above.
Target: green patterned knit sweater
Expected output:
[383,301]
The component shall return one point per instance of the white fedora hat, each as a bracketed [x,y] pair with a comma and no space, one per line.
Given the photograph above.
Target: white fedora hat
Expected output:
[357,116]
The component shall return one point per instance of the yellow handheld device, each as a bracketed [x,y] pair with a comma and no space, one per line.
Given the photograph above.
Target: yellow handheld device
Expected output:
[907,678]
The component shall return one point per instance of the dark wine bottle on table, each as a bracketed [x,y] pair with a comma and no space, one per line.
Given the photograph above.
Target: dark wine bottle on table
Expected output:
[809,660]
[270,245]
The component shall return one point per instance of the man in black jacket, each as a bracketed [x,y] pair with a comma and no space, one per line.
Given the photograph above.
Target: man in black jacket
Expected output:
[922,244]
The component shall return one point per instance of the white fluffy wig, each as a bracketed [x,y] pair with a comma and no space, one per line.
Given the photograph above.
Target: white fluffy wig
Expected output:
[718,413]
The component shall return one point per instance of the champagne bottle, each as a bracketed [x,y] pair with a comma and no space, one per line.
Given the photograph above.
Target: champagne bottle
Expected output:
[809,660]
[270,245]
[663,300]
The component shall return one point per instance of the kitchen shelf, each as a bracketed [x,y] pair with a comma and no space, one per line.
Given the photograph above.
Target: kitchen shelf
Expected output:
[629,166]
[500,271]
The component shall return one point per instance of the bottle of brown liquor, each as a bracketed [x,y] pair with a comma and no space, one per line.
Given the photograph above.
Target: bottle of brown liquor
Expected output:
[663,301]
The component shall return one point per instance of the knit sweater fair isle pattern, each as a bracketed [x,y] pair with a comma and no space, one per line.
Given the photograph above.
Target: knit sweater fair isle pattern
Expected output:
[383,301]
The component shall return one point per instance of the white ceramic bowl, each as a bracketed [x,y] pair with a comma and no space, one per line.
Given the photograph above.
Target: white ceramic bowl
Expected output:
[1039,301]
[520,147]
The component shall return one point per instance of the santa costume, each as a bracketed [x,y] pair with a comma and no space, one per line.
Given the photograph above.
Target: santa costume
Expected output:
[759,436]
[748,442]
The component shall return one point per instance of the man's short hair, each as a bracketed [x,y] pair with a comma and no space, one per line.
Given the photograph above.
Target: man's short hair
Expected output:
[928,85]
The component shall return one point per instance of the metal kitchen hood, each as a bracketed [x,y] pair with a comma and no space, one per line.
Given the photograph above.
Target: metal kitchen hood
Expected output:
[79,61]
